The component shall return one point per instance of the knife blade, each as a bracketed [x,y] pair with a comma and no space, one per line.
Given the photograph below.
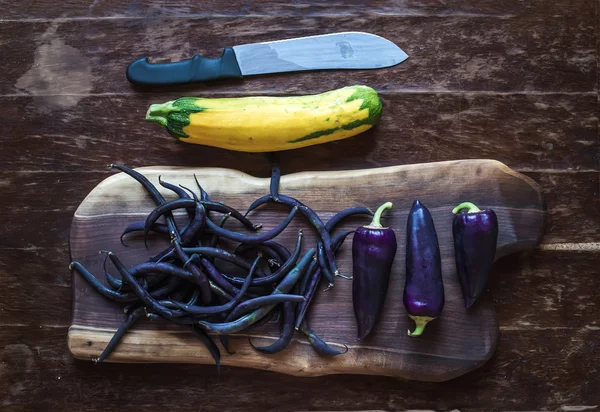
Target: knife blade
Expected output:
[343,51]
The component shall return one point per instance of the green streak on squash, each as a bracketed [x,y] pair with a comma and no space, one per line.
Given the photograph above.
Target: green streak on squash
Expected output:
[316,134]
[370,101]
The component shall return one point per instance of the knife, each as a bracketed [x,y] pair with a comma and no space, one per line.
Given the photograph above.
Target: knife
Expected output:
[346,50]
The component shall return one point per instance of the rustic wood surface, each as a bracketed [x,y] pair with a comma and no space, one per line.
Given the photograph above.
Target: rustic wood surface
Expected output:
[439,355]
[516,81]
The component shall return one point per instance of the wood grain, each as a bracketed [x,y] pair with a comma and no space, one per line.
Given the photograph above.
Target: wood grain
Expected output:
[546,290]
[442,355]
[552,366]
[446,53]
[46,9]
[574,206]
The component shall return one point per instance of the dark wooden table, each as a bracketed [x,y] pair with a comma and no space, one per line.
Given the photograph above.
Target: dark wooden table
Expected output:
[514,81]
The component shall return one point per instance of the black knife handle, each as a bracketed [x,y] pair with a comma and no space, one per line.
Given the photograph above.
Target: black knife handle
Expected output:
[194,70]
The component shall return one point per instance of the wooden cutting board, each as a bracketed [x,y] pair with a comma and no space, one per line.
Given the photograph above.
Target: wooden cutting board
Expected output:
[456,343]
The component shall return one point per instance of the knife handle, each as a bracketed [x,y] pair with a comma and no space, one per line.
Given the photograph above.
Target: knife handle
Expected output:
[194,70]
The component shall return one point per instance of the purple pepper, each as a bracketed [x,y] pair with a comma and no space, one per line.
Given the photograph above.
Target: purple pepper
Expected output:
[475,233]
[373,251]
[424,288]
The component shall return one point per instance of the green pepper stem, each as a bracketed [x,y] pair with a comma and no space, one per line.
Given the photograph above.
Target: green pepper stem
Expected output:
[376,222]
[158,112]
[466,205]
[421,322]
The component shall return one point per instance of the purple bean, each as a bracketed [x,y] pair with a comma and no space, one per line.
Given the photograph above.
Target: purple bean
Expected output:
[253,239]
[319,344]
[287,331]
[279,273]
[223,255]
[199,277]
[207,310]
[312,217]
[131,319]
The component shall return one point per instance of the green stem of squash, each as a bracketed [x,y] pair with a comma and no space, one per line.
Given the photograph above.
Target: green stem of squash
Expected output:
[158,112]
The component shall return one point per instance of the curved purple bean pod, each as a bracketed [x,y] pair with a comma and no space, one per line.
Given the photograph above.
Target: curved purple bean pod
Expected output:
[223,255]
[142,293]
[164,209]
[309,294]
[203,194]
[287,331]
[199,278]
[253,239]
[177,189]
[304,282]
[196,226]
[319,344]
[312,217]
[279,273]
[207,310]
[322,259]
[267,251]
[194,195]
[167,253]
[314,279]
[139,227]
[179,192]
[210,345]
[172,205]
[215,274]
[284,286]
[114,283]
[219,292]
[183,320]
[194,297]
[275,175]
[117,296]
[250,305]
[182,291]
[351,211]
[330,225]
[221,207]
[214,241]
[131,319]
[152,190]
[224,339]
[117,285]
[279,248]
[191,301]
[236,214]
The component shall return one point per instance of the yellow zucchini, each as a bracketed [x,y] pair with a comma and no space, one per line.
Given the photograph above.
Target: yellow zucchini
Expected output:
[266,123]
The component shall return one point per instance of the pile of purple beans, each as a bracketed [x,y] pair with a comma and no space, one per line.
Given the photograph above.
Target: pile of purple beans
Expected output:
[183,284]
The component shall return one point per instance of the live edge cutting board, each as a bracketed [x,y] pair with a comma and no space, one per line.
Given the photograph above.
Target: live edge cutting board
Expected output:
[456,343]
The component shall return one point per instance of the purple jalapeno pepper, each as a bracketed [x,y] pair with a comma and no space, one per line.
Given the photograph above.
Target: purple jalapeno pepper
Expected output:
[424,288]
[373,251]
[475,233]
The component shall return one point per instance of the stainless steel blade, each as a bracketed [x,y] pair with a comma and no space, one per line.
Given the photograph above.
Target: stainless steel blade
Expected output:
[346,50]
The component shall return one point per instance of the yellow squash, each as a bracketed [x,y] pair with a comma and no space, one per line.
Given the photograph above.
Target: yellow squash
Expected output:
[266,123]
